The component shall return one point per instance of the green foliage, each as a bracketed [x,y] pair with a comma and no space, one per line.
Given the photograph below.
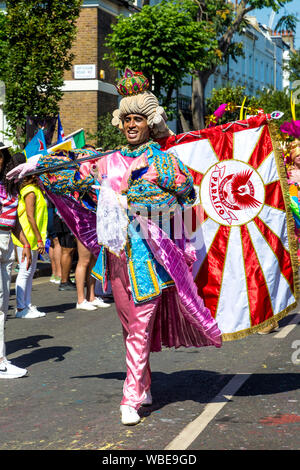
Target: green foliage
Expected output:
[165,42]
[229,94]
[293,67]
[39,38]
[269,101]
[277,100]
[287,22]
[3,42]
[107,137]
[274,4]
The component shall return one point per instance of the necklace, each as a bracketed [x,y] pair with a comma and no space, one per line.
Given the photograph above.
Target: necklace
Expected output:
[132,151]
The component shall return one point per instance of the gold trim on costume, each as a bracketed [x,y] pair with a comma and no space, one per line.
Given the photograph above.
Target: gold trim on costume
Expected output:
[135,284]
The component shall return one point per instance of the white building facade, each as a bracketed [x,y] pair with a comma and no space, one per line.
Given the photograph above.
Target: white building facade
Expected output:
[262,64]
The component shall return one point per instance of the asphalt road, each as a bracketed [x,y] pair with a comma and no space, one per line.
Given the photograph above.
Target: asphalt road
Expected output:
[244,396]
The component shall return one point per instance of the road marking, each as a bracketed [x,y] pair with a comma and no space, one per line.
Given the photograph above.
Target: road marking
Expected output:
[288,328]
[194,429]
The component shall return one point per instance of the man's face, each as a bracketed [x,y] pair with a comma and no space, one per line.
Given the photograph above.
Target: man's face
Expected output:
[136,129]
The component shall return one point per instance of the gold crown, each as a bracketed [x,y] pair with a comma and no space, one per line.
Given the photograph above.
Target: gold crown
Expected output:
[132,83]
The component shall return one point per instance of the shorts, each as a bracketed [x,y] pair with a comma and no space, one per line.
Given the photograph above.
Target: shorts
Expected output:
[67,240]
[64,234]
[50,227]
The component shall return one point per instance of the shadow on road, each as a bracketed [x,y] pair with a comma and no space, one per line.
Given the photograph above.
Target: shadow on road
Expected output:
[29,342]
[38,355]
[204,386]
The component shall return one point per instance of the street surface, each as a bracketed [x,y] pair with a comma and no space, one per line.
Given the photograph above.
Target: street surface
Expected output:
[244,396]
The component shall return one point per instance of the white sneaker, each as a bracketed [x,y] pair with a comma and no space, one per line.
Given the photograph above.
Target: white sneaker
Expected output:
[27,312]
[34,308]
[99,303]
[9,371]
[129,415]
[85,305]
[148,399]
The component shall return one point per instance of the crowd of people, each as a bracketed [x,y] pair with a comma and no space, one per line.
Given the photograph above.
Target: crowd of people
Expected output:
[29,222]
[151,282]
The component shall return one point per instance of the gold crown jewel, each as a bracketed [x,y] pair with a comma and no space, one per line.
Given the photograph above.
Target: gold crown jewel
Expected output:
[132,83]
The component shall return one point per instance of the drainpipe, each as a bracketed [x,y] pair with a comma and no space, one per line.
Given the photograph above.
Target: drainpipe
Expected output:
[275,66]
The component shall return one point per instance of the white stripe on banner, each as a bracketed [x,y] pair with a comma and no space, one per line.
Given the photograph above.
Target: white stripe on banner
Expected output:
[279,290]
[197,155]
[244,143]
[275,219]
[209,229]
[233,310]
[268,169]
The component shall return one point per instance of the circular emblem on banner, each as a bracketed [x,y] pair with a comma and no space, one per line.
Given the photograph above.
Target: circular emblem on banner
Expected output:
[232,192]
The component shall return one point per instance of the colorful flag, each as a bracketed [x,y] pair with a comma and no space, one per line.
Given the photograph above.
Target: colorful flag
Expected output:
[246,268]
[36,145]
[65,145]
[77,139]
[34,123]
[60,131]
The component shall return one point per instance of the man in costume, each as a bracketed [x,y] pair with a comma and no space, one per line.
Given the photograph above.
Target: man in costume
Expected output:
[150,271]
[151,280]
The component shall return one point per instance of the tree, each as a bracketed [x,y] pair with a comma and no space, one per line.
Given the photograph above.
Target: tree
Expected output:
[232,95]
[215,11]
[287,22]
[3,41]
[276,100]
[293,68]
[269,101]
[164,42]
[107,137]
[39,38]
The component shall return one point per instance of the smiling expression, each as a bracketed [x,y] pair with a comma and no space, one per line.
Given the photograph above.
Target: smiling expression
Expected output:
[136,129]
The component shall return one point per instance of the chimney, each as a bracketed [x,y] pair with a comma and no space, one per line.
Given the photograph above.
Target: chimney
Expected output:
[289,38]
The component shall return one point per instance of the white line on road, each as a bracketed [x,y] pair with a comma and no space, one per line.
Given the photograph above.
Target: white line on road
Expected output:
[288,328]
[193,429]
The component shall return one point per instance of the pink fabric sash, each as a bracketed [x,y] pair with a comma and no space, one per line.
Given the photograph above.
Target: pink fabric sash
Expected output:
[172,258]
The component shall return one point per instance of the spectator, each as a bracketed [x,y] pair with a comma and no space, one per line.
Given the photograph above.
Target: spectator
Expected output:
[9,223]
[33,216]
[68,246]
[54,248]
[86,261]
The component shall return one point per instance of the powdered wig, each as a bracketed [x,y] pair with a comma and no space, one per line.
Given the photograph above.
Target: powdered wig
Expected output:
[138,100]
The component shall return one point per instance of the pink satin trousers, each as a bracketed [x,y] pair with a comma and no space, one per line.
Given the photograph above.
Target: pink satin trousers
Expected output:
[137,322]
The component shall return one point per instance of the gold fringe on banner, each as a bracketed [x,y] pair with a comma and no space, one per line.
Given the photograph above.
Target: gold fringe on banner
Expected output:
[287,202]
[281,170]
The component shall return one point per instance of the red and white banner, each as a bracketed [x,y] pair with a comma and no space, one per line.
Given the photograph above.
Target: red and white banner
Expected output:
[245,269]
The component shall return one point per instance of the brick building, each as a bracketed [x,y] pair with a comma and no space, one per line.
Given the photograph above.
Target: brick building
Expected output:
[89,90]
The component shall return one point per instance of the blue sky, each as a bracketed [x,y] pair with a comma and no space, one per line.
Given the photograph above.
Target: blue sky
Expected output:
[293,7]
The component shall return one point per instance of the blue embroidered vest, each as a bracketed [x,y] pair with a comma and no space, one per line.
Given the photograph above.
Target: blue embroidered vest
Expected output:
[147,276]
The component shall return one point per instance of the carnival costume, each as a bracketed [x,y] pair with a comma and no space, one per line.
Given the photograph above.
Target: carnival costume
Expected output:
[8,218]
[151,276]
[293,173]
[155,295]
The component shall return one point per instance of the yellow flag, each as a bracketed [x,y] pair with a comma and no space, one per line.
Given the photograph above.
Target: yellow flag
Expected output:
[66,145]
[293,105]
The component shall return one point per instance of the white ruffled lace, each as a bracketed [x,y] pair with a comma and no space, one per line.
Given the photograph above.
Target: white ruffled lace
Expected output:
[112,220]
